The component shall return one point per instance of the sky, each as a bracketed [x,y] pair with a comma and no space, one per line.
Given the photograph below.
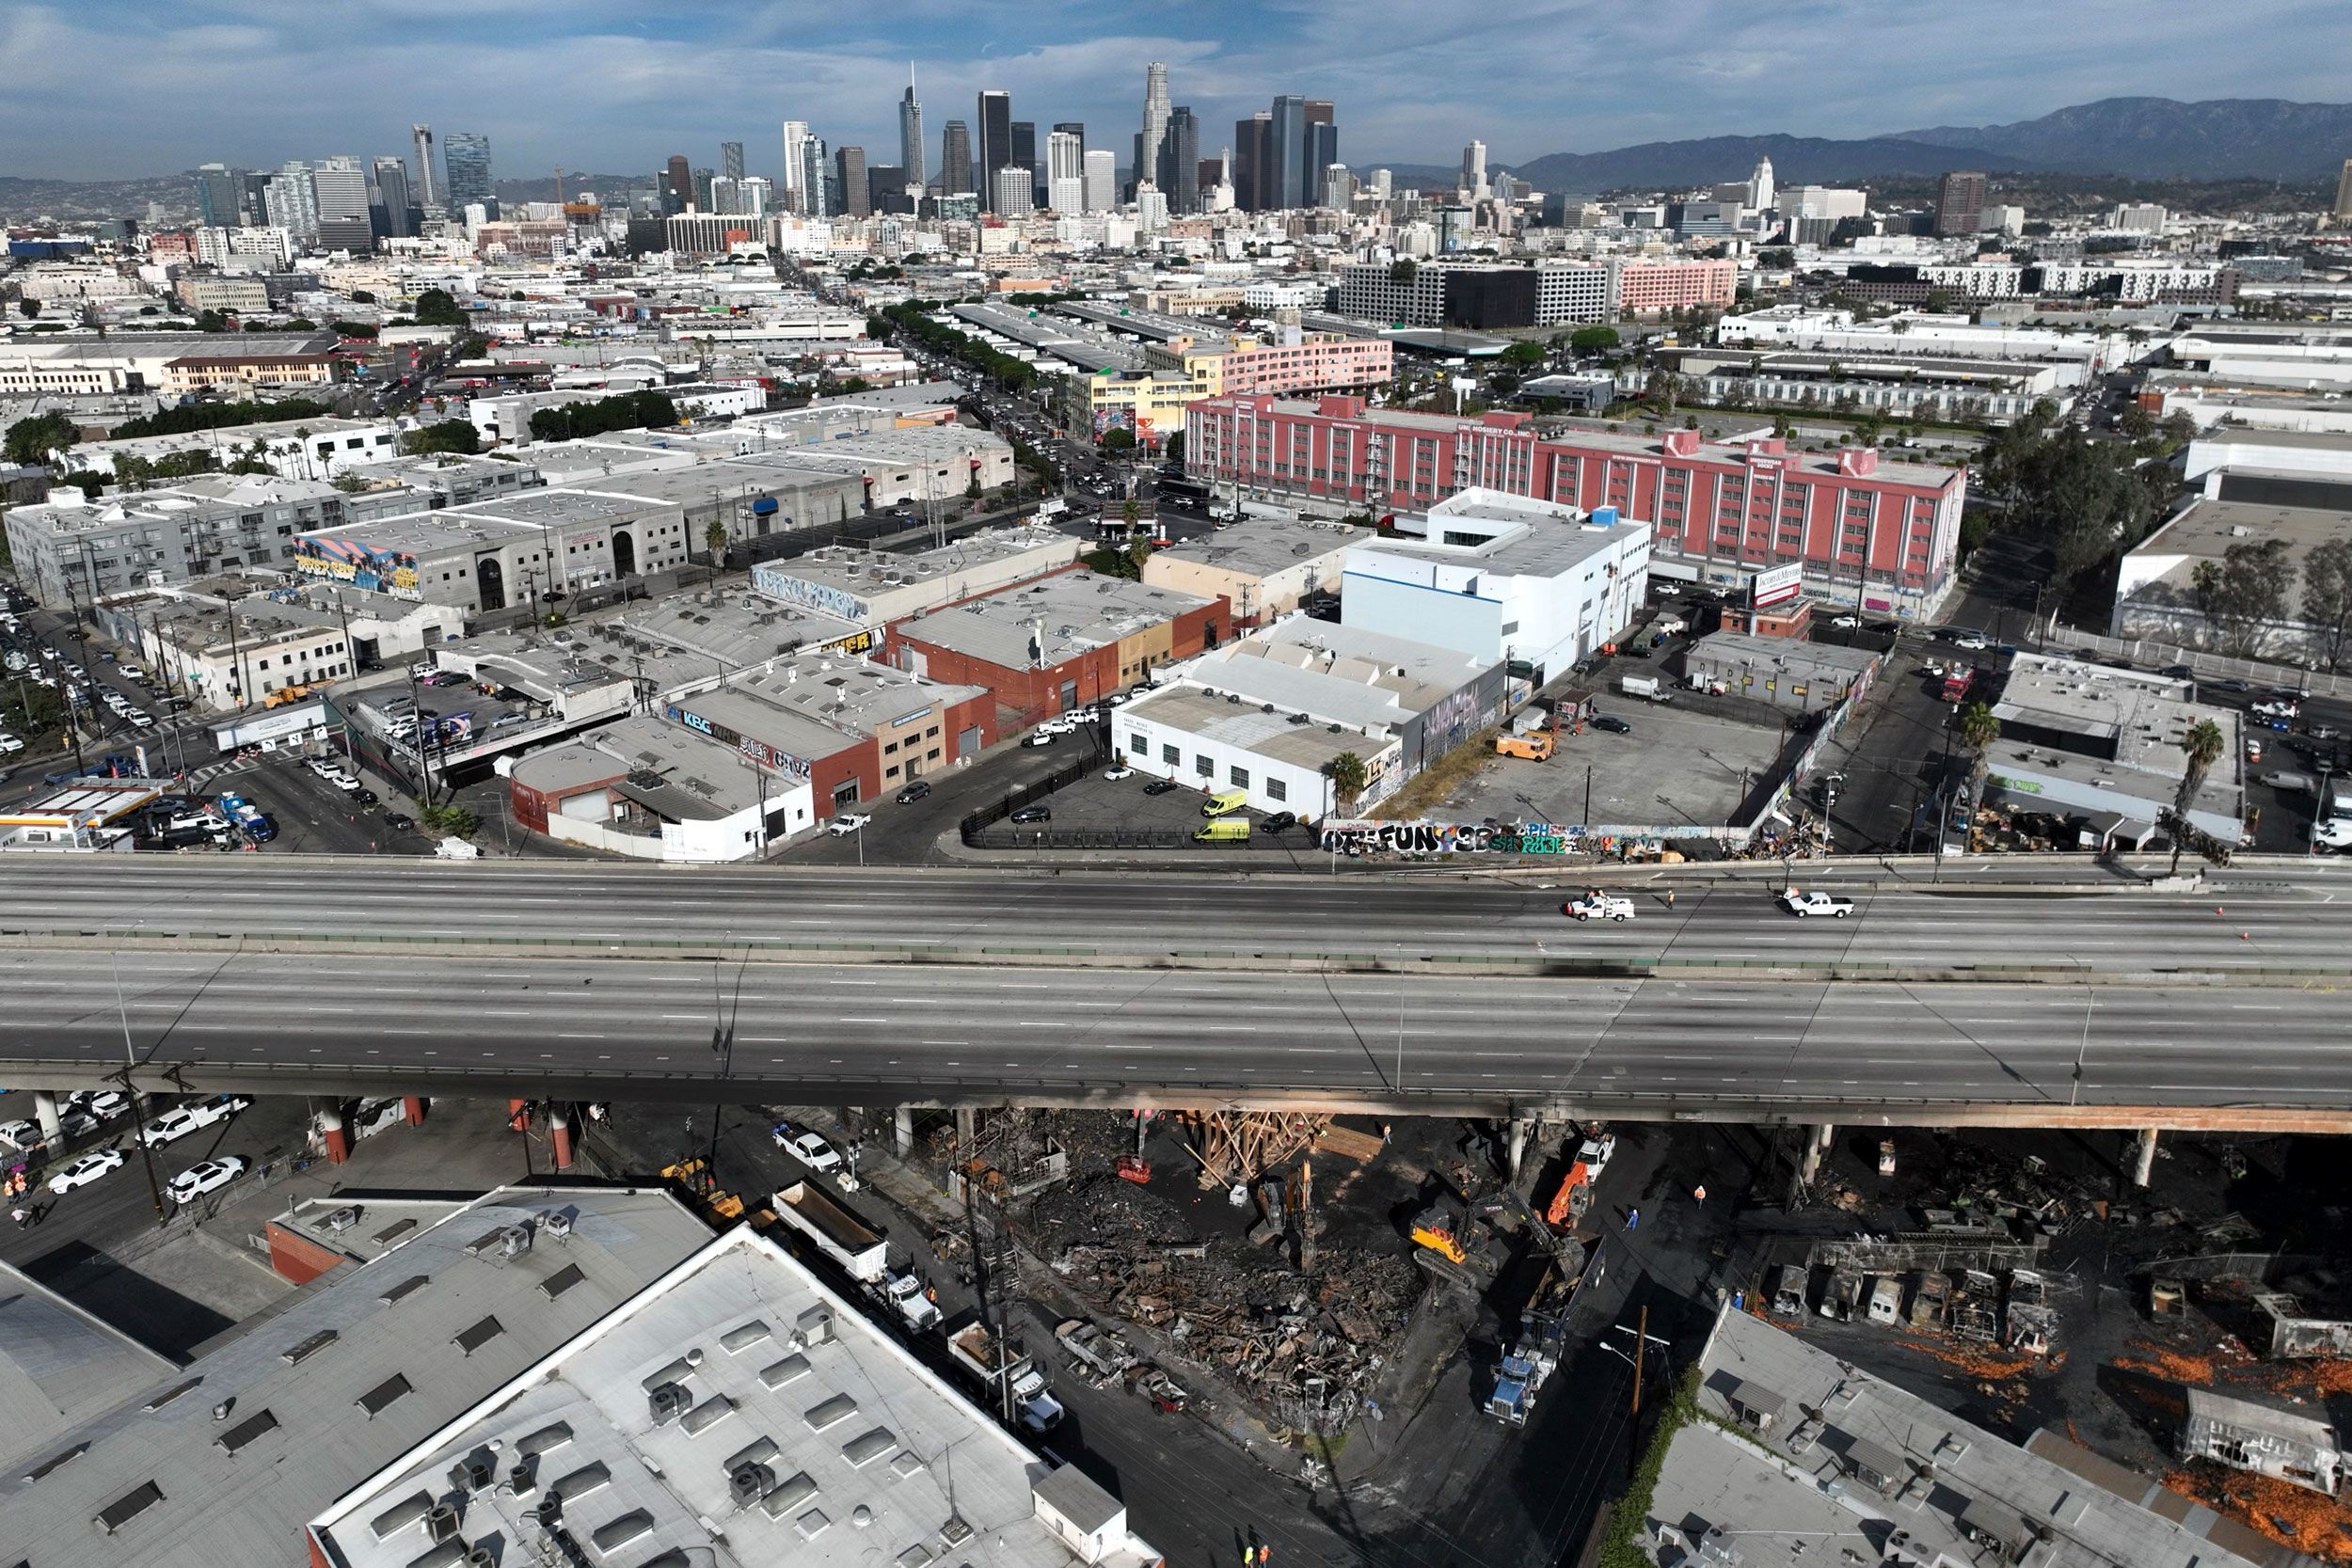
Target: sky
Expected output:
[125,89]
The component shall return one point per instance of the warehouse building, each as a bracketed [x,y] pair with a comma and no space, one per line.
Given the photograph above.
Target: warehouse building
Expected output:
[1262,566]
[1057,644]
[513,551]
[870,587]
[650,789]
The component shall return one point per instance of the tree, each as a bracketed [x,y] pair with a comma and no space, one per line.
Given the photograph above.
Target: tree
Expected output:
[877,328]
[350,484]
[1524,354]
[1978,730]
[361,297]
[1593,340]
[1349,778]
[1174,454]
[450,821]
[2244,591]
[29,443]
[1403,270]
[715,537]
[2328,595]
[28,308]
[457,435]
[2202,745]
[438,307]
[2139,424]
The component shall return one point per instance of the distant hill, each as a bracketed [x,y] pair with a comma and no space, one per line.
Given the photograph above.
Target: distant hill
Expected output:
[23,201]
[2162,137]
[1796,160]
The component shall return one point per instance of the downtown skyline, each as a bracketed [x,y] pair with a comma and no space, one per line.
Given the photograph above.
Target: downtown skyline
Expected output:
[600,87]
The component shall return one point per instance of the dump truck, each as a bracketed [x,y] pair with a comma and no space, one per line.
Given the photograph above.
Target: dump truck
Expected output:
[904,1295]
[1535,1355]
[1008,1383]
[838,1234]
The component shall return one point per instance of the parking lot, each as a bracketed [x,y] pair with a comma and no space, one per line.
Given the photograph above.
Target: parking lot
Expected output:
[1686,763]
[1096,804]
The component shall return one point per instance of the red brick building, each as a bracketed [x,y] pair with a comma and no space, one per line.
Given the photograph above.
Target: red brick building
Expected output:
[1060,642]
[1884,533]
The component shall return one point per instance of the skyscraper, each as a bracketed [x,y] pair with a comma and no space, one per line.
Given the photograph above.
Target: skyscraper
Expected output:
[911,134]
[1959,203]
[704,182]
[391,199]
[1025,155]
[1475,170]
[466,155]
[428,185]
[293,205]
[815,196]
[1253,140]
[2344,194]
[1322,147]
[1102,190]
[731,159]
[1009,191]
[1290,152]
[995,149]
[677,186]
[1761,193]
[338,192]
[216,196]
[850,197]
[795,133]
[955,159]
[1065,172]
[1179,161]
[1148,145]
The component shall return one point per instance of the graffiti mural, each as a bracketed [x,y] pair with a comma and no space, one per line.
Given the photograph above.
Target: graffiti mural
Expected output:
[1449,838]
[771,582]
[392,572]
[758,751]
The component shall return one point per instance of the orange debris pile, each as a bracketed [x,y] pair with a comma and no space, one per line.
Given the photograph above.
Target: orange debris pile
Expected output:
[2317,1379]
[1978,1362]
[2278,1510]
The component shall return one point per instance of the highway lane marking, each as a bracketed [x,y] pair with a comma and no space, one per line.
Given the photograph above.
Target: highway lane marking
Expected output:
[566,1037]
[861,1021]
[854,982]
[947,1042]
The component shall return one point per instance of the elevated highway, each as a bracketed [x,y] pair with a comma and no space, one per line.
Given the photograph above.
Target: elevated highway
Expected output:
[1972,1007]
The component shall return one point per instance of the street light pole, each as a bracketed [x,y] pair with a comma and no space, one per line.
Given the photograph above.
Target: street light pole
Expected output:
[138,1117]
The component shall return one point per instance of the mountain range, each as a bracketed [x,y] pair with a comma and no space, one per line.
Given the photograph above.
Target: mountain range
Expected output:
[2155,138]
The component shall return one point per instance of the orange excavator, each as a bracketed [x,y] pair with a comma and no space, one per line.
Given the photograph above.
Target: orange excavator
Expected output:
[1576,1189]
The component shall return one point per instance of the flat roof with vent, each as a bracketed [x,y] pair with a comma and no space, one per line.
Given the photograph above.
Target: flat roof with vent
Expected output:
[702,1405]
[1079,612]
[316,1398]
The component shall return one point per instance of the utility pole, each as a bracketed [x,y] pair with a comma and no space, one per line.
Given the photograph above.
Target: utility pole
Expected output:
[139,1117]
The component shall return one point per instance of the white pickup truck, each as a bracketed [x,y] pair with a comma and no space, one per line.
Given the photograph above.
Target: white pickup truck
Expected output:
[904,1294]
[186,1120]
[1805,904]
[1607,906]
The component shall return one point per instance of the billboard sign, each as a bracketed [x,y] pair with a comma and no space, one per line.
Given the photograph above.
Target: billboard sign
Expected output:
[1776,585]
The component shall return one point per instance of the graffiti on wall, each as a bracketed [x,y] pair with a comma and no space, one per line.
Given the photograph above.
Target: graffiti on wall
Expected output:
[769,583]
[1450,720]
[758,751]
[1450,838]
[392,572]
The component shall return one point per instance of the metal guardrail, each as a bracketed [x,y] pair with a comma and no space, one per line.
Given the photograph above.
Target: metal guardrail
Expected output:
[2142,650]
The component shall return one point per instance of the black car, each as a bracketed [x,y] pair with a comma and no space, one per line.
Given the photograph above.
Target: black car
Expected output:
[1033,814]
[1159,787]
[914,792]
[2177,672]
[1280,822]
[1611,722]
[399,821]
[365,795]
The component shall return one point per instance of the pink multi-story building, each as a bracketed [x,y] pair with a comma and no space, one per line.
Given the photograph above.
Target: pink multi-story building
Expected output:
[1312,365]
[1645,287]
[1880,534]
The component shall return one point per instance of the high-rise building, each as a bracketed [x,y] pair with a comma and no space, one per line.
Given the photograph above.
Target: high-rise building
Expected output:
[1475,170]
[292,204]
[216,195]
[1009,191]
[1761,193]
[886,189]
[1102,190]
[392,200]
[677,186]
[704,182]
[996,149]
[910,134]
[253,201]
[795,133]
[467,156]
[755,196]
[731,159]
[2344,194]
[1025,155]
[1074,128]
[1156,112]
[429,183]
[955,159]
[816,178]
[1338,188]
[1322,147]
[1065,172]
[1383,183]
[338,193]
[1253,140]
[1290,152]
[1179,161]
[850,197]
[1959,203]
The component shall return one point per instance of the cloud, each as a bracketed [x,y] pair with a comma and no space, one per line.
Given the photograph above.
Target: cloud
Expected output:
[119,88]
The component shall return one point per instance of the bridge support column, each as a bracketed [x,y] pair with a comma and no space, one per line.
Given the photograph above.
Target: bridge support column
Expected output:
[902,1129]
[2144,1158]
[967,1129]
[559,1134]
[331,1121]
[412,1109]
[1818,1140]
[1520,1128]
[45,1113]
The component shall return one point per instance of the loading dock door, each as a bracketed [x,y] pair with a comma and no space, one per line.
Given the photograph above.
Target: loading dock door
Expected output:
[967,743]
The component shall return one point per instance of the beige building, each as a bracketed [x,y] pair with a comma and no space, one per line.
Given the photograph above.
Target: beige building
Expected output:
[1263,567]
[198,372]
[871,587]
[246,295]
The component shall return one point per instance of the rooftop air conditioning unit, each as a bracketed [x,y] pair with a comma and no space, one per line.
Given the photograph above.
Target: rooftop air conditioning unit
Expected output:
[482,1556]
[668,1403]
[442,1522]
[749,1483]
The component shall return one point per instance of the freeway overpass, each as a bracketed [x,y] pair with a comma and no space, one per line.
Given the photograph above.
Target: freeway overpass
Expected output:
[1969,1006]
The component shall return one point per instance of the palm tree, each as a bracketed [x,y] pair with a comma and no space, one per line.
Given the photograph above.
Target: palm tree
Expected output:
[1349,778]
[2202,745]
[1977,731]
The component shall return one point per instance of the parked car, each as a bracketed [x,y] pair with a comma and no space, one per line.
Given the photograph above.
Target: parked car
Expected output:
[914,792]
[809,1149]
[2335,833]
[87,1169]
[1160,786]
[19,1135]
[366,796]
[1115,774]
[847,823]
[1042,737]
[1611,722]
[206,1175]
[400,821]
[1033,814]
[1845,623]
[1280,822]
[1805,904]
[176,1124]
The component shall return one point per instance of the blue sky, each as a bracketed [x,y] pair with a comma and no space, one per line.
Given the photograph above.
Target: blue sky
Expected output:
[106,88]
